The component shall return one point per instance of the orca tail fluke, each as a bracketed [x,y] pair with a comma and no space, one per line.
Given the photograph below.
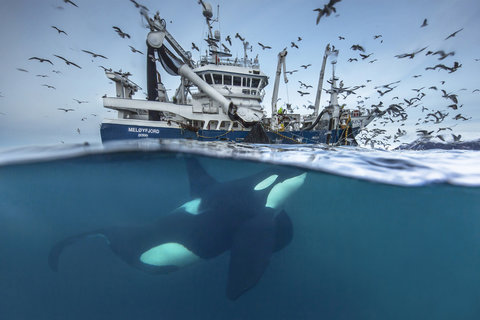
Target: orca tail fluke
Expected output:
[57,249]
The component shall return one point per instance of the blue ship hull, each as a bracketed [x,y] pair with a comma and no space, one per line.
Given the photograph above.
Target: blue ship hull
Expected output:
[115,132]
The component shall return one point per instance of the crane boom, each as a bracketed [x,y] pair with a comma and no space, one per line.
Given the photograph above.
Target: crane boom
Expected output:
[280,65]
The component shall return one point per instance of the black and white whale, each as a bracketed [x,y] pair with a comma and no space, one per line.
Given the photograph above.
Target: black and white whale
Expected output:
[244,216]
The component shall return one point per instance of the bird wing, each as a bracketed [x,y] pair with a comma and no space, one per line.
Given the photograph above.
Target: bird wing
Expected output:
[61,58]
[76,65]
[69,1]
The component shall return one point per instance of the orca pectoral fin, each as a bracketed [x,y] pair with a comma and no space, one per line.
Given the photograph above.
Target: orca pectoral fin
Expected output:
[57,249]
[252,247]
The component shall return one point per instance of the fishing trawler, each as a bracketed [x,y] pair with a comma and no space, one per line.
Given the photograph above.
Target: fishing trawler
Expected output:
[219,98]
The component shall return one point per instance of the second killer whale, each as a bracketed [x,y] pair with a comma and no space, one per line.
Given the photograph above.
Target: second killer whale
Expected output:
[243,216]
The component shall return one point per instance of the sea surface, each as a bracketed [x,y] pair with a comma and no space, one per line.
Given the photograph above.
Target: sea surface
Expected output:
[376,234]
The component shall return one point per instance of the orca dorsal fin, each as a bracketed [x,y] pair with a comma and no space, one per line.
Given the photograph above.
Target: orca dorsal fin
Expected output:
[198,177]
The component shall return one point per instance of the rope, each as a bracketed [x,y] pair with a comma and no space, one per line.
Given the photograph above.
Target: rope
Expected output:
[285,137]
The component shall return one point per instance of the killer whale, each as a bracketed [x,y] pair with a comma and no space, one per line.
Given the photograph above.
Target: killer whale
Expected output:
[244,216]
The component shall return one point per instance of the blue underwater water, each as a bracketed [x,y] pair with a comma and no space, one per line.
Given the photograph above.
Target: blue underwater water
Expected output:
[365,245]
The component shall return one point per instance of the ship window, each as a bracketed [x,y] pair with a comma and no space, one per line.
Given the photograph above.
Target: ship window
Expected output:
[237,81]
[217,78]
[208,78]
[227,80]
[245,91]
[224,125]
[255,82]
[246,82]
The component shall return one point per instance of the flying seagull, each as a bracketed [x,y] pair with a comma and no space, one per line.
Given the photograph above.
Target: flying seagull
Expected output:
[302,93]
[22,70]
[80,101]
[49,86]
[59,30]
[327,10]
[41,60]
[409,55]
[66,110]
[305,66]
[94,55]
[239,37]
[264,46]
[135,50]
[453,34]
[121,33]
[424,24]
[194,47]
[68,62]
[357,47]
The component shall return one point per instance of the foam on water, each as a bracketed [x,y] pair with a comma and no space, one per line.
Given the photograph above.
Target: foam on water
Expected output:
[404,168]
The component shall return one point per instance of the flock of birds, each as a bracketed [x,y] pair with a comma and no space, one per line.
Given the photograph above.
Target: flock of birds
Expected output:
[392,113]
[71,63]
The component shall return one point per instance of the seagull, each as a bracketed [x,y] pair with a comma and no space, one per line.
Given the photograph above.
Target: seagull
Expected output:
[443,55]
[341,38]
[410,55]
[327,9]
[264,46]
[42,75]
[365,56]
[22,70]
[452,97]
[456,138]
[69,1]
[59,30]
[68,62]
[94,55]
[305,66]
[291,72]
[225,48]
[105,69]
[424,24]
[135,50]
[194,47]
[459,116]
[66,110]
[352,59]
[120,32]
[453,34]
[229,40]
[454,106]
[293,45]
[56,71]
[377,36]
[41,60]
[80,101]
[357,47]
[48,86]
[302,93]
[228,89]
[239,37]
[299,39]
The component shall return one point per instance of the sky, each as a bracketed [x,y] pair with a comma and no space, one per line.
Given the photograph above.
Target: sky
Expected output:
[29,113]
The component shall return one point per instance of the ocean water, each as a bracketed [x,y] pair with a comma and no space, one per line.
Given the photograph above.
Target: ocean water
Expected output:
[376,234]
